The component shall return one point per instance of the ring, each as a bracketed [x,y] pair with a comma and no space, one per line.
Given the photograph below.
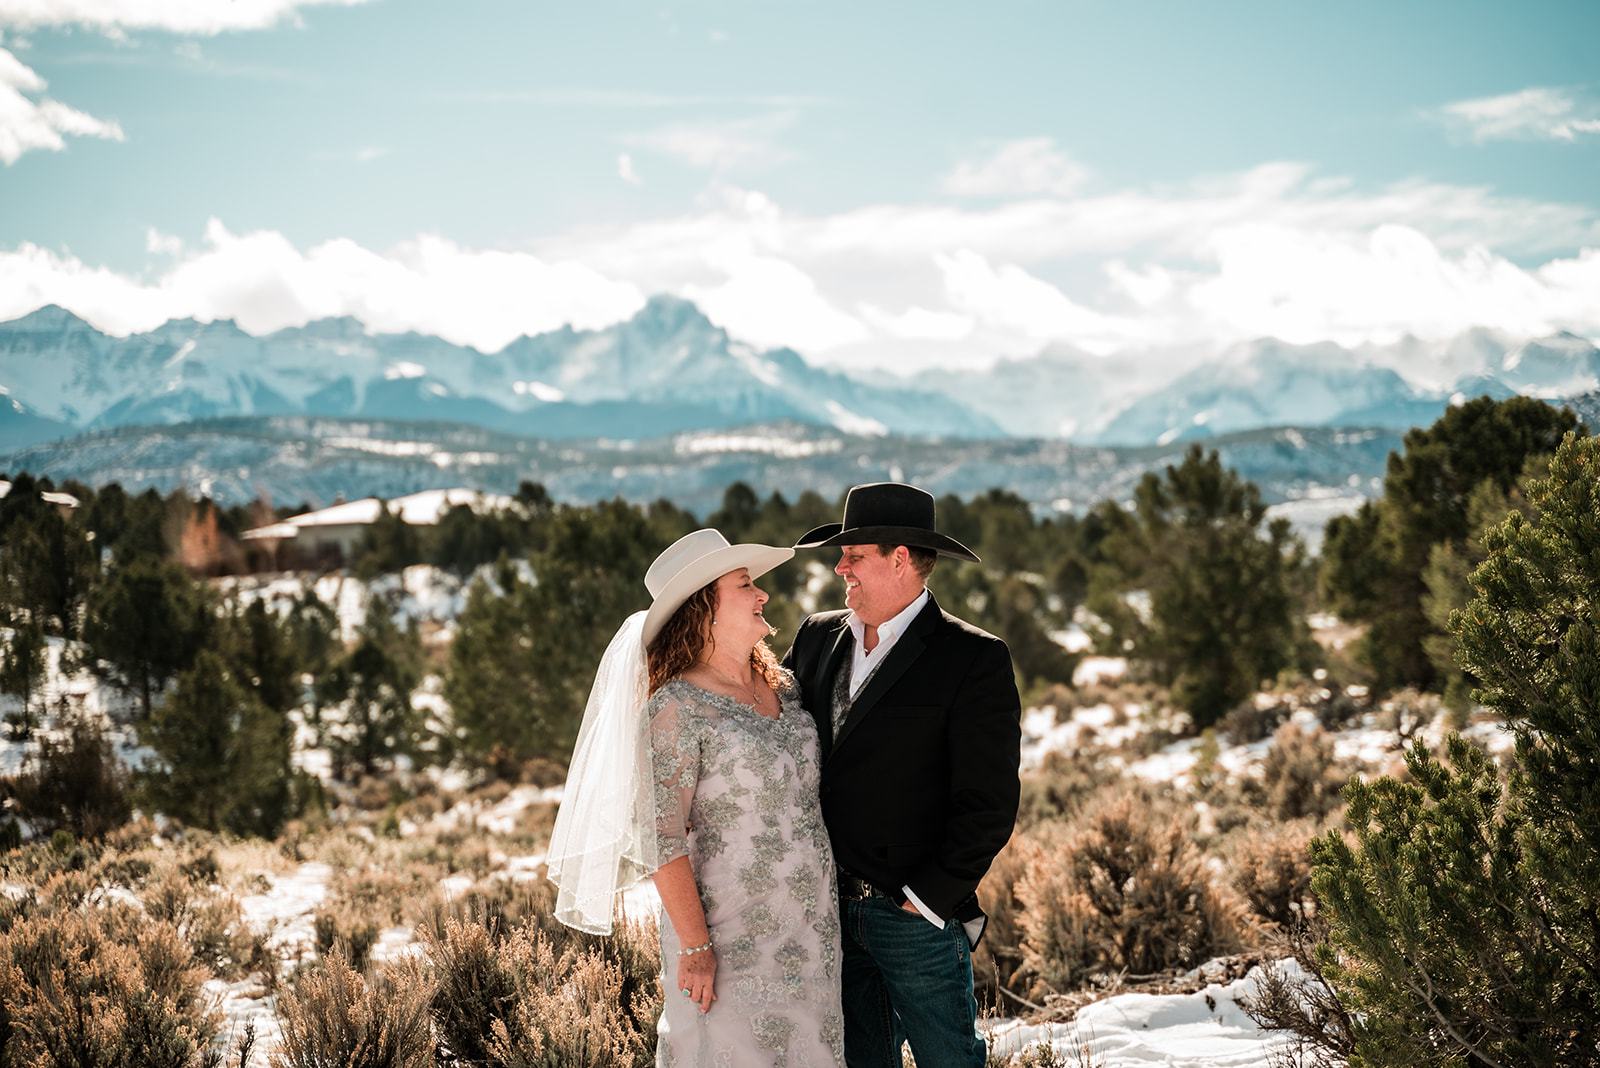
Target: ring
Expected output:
[688,993]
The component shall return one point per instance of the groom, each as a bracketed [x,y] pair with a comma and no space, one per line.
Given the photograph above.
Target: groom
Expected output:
[919,721]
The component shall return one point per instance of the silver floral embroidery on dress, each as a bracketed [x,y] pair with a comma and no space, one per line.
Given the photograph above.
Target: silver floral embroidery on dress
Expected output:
[736,792]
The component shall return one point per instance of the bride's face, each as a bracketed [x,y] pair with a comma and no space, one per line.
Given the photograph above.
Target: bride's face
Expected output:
[739,619]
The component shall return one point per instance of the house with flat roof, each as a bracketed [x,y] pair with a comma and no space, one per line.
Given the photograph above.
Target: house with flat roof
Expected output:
[340,527]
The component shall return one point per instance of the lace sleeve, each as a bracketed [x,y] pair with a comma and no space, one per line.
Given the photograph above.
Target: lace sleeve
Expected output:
[675,757]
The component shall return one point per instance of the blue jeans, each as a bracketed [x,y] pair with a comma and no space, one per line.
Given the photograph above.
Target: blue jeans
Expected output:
[906,980]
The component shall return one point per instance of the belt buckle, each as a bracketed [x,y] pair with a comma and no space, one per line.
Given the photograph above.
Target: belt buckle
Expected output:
[852,888]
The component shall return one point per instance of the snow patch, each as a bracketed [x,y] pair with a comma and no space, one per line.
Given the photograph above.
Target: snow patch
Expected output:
[1206,1029]
[851,423]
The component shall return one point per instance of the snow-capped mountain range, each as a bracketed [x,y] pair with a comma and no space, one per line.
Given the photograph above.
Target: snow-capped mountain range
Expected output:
[670,369]
[666,369]
[1146,398]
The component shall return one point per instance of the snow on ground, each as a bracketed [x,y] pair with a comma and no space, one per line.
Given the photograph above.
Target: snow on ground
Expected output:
[1093,669]
[1042,733]
[500,817]
[284,911]
[79,691]
[1073,638]
[1206,1029]
[243,1003]
[421,593]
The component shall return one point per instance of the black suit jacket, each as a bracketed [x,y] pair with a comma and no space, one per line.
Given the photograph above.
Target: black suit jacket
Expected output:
[920,788]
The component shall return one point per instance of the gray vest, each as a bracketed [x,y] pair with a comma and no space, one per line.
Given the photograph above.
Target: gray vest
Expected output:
[842,702]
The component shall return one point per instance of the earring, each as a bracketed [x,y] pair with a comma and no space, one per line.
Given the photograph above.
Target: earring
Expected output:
[713,621]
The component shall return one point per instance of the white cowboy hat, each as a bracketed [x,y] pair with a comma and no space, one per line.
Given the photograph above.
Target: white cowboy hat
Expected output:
[693,561]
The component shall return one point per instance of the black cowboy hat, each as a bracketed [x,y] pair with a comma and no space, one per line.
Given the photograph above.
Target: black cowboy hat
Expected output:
[886,513]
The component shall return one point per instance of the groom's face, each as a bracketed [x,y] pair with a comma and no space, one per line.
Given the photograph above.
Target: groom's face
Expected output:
[872,583]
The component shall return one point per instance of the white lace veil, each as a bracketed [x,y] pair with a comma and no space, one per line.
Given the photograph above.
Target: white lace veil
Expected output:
[605,834]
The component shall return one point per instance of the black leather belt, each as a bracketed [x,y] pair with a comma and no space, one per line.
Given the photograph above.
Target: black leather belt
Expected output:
[852,888]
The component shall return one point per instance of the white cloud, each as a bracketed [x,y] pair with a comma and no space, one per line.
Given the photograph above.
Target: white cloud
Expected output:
[473,297]
[1029,167]
[625,169]
[1380,285]
[29,121]
[721,146]
[162,244]
[1539,114]
[771,302]
[918,323]
[113,17]
[1276,250]
[1011,299]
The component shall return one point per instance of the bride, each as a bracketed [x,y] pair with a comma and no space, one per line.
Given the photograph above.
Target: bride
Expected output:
[697,766]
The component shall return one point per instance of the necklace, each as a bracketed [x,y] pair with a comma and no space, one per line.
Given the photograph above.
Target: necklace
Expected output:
[749,687]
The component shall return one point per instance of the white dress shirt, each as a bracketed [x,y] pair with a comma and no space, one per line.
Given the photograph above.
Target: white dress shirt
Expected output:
[861,661]
[861,665]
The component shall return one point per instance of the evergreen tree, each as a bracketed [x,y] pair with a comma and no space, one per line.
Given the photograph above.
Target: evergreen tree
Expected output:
[46,562]
[524,656]
[126,527]
[22,664]
[388,545]
[1446,588]
[260,647]
[1463,922]
[463,539]
[379,676]
[1374,561]
[1222,614]
[312,632]
[1011,607]
[223,754]
[740,511]
[146,621]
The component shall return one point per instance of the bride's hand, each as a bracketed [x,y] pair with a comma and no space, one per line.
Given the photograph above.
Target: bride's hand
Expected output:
[697,974]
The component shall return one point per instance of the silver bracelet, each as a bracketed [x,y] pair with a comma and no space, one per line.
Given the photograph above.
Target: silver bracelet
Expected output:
[692,950]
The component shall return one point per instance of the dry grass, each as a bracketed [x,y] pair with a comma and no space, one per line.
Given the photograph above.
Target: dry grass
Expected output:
[1121,890]
[1300,776]
[87,985]
[333,1018]
[538,994]
[1272,872]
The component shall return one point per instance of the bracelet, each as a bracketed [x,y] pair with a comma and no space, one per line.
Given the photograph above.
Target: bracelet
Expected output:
[692,950]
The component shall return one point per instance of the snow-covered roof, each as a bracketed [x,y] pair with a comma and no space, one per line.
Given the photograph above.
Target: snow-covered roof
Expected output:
[420,509]
[271,530]
[48,496]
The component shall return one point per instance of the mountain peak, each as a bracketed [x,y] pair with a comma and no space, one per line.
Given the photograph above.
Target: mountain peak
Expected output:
[668,314]
[188,328]
[49,317]
[332,328]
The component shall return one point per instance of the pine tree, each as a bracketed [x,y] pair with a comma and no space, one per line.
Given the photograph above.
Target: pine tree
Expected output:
[389,544]
[146,621]
[46,562]
[1463,923]
[223,756]
[312,631]
[523,659]
[22,664]
[1373,562]
[260,647]
[380,673]
[1223,611]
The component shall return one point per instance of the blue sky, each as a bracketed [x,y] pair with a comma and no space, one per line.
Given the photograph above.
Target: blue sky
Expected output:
[875,184]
